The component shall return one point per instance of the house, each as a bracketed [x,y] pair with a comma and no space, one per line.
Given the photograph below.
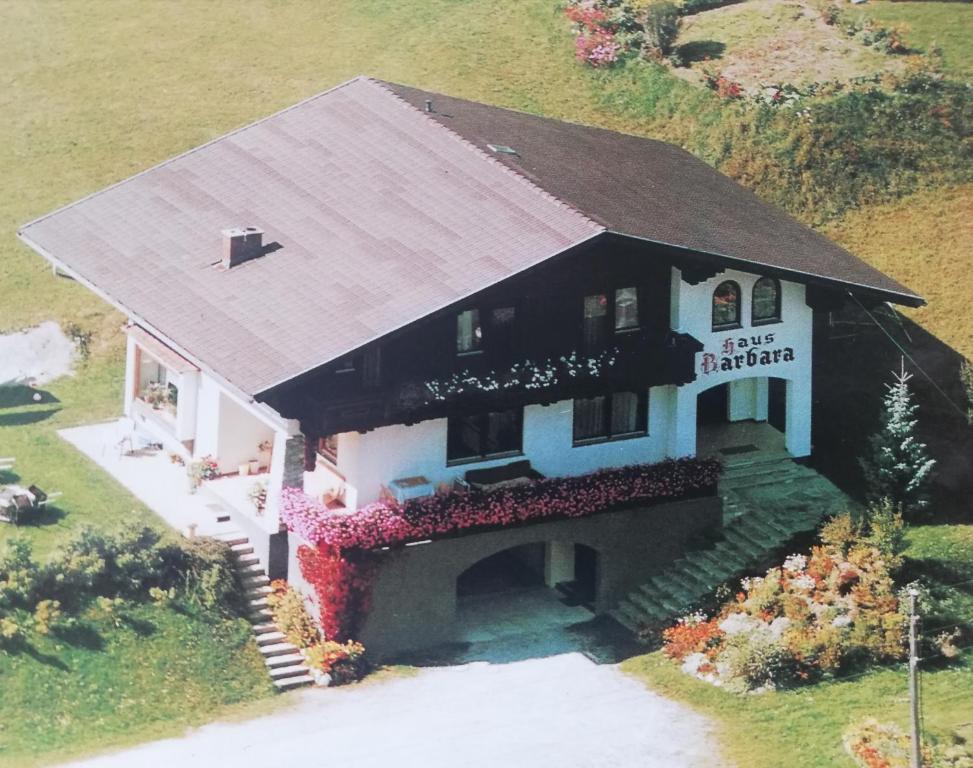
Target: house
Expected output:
[394,289]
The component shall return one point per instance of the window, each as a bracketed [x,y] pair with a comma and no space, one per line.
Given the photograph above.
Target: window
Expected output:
[765,307]
[620,308]
[328,447]
[595,325]
[484,435]
[469,334]
[726,306]
[610,417]
[626,309]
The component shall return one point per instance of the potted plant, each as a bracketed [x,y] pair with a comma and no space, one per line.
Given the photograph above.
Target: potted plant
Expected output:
[205,468]
[258,496]
[244,467]
[264,449]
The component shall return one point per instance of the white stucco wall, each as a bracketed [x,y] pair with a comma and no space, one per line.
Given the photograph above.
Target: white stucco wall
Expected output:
[743,348]
[374,458]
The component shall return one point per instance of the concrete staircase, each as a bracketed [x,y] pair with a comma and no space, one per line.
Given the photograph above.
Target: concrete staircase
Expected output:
[768,501]
[284,662]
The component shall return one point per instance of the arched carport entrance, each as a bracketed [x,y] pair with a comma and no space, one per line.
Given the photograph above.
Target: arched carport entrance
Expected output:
[746,415]
[526,589]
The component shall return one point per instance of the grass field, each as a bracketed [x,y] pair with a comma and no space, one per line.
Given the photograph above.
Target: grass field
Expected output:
[946,25]
[106,685]
[803,727]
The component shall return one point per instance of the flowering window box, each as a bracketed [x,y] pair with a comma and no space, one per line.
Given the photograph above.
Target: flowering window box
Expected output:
[386,524]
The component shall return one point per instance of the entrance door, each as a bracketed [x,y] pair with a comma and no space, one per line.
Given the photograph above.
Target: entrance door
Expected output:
[777,404]
[712,406]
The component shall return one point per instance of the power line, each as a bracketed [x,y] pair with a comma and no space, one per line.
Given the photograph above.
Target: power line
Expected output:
[909,357]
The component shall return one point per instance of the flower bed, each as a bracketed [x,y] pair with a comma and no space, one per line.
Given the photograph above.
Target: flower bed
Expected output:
[828,613]
[388,524]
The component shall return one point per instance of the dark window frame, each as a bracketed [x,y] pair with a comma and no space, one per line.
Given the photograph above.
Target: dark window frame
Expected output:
[731,325]
[321,450]
[610,318]
[452,461]
[608,436]
[479,348]
[776,317]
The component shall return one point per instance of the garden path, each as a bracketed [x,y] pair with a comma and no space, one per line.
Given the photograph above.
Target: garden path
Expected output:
[531,701]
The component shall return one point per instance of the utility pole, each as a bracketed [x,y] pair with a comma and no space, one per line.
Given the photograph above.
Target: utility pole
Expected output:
[916,761]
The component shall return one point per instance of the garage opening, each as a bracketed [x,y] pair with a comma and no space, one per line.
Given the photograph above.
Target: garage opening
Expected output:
[525,590]
[517,568]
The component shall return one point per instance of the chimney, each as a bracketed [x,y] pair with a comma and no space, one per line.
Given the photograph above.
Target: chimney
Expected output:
[240,245]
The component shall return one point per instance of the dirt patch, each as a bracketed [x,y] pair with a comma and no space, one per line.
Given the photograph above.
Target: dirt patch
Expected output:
[35,356]
[774,41]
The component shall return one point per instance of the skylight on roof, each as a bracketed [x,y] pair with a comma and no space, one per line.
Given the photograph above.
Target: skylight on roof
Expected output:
[503,149]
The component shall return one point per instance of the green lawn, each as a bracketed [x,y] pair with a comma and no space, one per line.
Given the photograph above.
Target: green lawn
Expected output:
[804,726]
[103,686]
[946,25]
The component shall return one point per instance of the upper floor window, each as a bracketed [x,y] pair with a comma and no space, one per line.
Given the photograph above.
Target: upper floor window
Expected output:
[726,306]
[610,417]
[484,435]
[469,332]
[603,312]
[626,309]
[766,301]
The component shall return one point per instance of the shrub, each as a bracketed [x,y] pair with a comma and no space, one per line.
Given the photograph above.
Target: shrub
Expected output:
[291,615]
[692,634]
[345,662]
[205,571]
[660,24]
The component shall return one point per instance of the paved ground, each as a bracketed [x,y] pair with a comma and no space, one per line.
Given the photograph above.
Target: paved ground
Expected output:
[530,701]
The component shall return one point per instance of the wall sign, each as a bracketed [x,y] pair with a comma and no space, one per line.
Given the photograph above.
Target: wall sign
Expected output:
[746,352]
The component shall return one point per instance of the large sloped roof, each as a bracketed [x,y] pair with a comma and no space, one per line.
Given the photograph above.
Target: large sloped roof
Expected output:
[655,191]
[379,213]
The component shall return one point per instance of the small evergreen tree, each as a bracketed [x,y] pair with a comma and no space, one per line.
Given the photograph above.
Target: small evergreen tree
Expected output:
[898,468]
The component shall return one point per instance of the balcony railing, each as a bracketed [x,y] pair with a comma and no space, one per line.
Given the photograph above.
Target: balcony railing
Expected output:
[637,362]
[387,524]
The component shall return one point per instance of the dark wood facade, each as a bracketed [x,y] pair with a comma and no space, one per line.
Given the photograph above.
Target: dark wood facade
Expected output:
[537,316]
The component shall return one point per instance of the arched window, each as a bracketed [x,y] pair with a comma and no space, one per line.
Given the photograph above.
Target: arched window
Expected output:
[726,306]
[766,301]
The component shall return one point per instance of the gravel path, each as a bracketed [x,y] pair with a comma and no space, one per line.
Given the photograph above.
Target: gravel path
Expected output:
[561,710]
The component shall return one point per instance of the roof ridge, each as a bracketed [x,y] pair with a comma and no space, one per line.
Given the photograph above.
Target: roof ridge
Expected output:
[383,86]
[191,151]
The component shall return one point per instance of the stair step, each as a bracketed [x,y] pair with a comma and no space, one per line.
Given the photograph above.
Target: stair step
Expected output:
[647,605]
[271,638]
[261,591]
[251,569]
[292,670]
[232,537]
[244,548]
[248,558]
[283,660]
[262,629]
[293,682]
[257,603]
[259,580]
[622,618]
[278,649]
[263,615]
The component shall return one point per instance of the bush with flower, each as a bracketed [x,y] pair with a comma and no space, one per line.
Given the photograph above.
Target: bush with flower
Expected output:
[330,661]
[825,613]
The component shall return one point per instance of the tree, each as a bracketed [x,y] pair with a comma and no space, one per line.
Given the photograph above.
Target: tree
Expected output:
[660,24]
[898,468]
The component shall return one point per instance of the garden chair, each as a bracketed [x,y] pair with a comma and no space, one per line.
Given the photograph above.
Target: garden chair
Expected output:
[7,463]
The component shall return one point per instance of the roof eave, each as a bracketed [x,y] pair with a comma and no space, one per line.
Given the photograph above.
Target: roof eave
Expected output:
[749,265]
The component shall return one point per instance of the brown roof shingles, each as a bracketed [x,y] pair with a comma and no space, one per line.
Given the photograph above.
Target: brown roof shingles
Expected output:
[382,215]
[653,190]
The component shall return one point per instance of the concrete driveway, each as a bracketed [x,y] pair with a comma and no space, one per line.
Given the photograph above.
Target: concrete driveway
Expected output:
[535,701]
